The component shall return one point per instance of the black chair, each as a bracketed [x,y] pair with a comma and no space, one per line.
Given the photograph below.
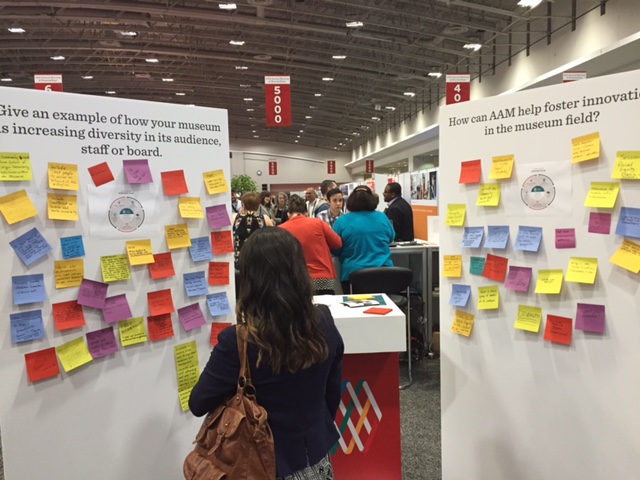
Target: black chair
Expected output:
[395,282]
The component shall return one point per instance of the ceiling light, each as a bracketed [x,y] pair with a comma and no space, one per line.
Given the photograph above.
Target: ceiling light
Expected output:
[253,131]
[312,107]
[167,79]
[375,118]
[256,136]
[248,99]
[296,141]
[180,94]
[57,57]
[250,109]
[297,136]
[529,3]
[354,24]
[151,60]
[317,94]
[129,34]
[435,74]
[301,131]
[327,79]
[339,57]
[110,92]
[87,77]
[390,108]
[410,94]
[236,42]
[244,85]
[16,30]
[308,116]
[190,105]
[241,67]
[473,46]
[6,79]
[227,6]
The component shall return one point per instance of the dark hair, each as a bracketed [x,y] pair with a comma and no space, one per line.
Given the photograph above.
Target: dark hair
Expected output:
[361,199]
[297,204]
[264,195]
[251,201]
[395,188]
[326,186]
[332,192]
[276,301]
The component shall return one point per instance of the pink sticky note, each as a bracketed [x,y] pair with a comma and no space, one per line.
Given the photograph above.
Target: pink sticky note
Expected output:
[218,216]
[590,318]
[102,342]
[116,309]
[565,238]
[600,223]
[191,316]
[92,293]
[137,171]
[518,279]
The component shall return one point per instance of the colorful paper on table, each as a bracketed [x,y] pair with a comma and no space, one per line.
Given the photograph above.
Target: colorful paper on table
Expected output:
[519,279]
[190,207]
[92,293]
[137,171]
[215,182]
[360,297]
[558,329]
[222,242]
[26,326]
[116,309]
[565,238]
[101,174]
[218,273]
[377,311]
[495,268]
[160,327]
[452,266]
[218,304]
[132,331]
[174,183]
[472,237]
[497,237]
[63,176]
[582,270]
[160,302]
[599,223]
[460,295]
[602,194]
[627,256]
[629,222]
[188,370]
[30,246]
[42,364]
[68,273]
[627,166]
[488,298]
[62,207]
[590,318]
[216,329]
[200,249]
[67,315]
[489,195]
[218,216]
[72,247]
[455,214]
[140,252]
[585,148]
[102,342]
[115,268]
[74,354]
[17,207]
[177,236]
[529,238]
[528,318]
[15,167]
[549,282]
[195,284]
[28,289]
[191,317]
[462,323]
[162,267]
[470,172]
[476,265]
[502,167]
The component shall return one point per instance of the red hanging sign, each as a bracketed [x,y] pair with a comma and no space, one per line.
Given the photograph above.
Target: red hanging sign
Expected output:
[273,168]
[331,166]
[458,88]
[368,166]
[278,100]
[568,77]
[51,82]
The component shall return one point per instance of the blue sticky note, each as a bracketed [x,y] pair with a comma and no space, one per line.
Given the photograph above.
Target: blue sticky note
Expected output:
[629,222]
[460,295]
[218,304]
[529,238]
[30,246]
[472,237]
[72,247]
[195,284]
[497,237]
[26,326]
[476,266]
[200,249]
[28,289]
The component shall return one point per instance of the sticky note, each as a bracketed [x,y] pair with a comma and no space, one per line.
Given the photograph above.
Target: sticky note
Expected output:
[195,284]
[497,237]
[565,238]
[218,273]
[518,279]
[582,270]
[585,148]
[116,309]
[599,223]
[627,256]
[177,236]
[17,207]
[26,326]
[132,332]
[489,195]
[462,323]
[62,207]
[115,268]
[627,166]
[191,317]
[602,195]
[174,183]
[470,171]
[187,369]
[15,167]
[190,207]
[452,266]
[558,329]
[218,304]
[63,176]
[218,216]
[460,295]
[72,247]
[28,289]
[221,242]
[67,315]
[42,364]
[92,293]
[101,174]
[455,214]
[160,302]
[160,327]
[68,273]
[529,318]
[215,182]
[102,342]
[200,249]
[629,222]
[472,237]
[216,329]
[590,317]
[74,354]
[502,167]
[549,282]
[137,171]
[488,298]
[495,268]
[162,267]
[140,252]
[476,266]
[30,246]
[528,238]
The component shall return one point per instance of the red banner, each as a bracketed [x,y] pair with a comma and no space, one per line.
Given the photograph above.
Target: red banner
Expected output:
[368,166]
[273,168]
[568,77]
[331,166]
[277,90]
[51,82]
[458,88]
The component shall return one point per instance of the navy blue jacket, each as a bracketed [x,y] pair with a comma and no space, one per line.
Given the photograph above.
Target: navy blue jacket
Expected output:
[301,406]
[401,216]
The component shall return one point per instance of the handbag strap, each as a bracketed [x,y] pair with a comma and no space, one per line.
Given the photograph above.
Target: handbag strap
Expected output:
[244,379]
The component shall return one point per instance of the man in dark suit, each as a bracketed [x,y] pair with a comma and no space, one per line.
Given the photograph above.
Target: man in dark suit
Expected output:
[399,212]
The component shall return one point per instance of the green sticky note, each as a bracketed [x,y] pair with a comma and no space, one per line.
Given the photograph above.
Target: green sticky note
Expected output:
[477,265]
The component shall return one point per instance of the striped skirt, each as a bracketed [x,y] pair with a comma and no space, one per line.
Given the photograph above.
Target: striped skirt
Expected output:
[323,470]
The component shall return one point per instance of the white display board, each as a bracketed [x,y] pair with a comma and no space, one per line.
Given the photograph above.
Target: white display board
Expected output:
[514,405]
[119,416]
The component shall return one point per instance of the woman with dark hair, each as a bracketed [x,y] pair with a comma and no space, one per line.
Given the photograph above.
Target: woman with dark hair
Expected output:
[280,209]
[246,222]
[295,356]
[266,208]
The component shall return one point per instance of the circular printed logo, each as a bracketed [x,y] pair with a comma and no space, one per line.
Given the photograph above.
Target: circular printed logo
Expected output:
[126,214]
[538,192]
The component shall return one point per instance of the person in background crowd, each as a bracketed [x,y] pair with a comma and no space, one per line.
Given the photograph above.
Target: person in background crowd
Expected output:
[279,212]
[313,202]
[245,223]
[295,356]
[399,212]
[265,209]
[324,188]
[235,202]
[336,203]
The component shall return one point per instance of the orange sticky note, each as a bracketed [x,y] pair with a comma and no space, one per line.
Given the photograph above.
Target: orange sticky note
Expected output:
[101,174]
[470,172]
[216,328]
[221,242]
[162,267]
[495,267]
[160,302]
[558,329]
[174,183]
[42,364]
[68,315]
[218,273]
[160,327]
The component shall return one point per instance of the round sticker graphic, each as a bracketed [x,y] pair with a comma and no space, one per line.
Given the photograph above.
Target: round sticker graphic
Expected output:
[126,214]
[538,192]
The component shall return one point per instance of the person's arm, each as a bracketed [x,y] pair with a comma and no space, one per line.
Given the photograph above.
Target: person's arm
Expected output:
[391,231]
[332,238]
[268,222]
[338,229]
[395,215]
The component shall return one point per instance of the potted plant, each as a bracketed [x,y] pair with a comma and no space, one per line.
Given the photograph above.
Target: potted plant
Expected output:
[243,183]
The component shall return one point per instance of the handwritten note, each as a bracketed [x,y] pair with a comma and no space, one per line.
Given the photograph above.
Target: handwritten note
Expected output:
[460,295]
[116,309]
[215,182]
[452,266]
[218,304]
[221,242]
[28,289]
[558,329]
[68,273]
[582,270]
[30,246]
[115,268]
[162,267]
[462,323]
[102,342]
[218,273]
[160,302]
[200,249]
[476,265]
[470,172]
[190,207]
[140,252]
[549,282]
[495,268]
[518,279]
[137,171]
[17,207]
[488,297]
[26,326]
[195,284]
[565,238]
[187,369]
[489,195]
[455,214]
[585,148]
[216,329]
[92,293]
[62,207]
[629,222]
[191,317]
[529,238]
[590,318]
[627,166]
[101,174]
[472,237]
[528,319]
[497,237]
[600,223]
[63,176]
[74,354]
[627,256]
[132,332]
[602,195]
[72,247]
[174,183]
[68,315]
[502,167]
[15,167]
[160,327]
[177,236]
[42,364]
[218,216]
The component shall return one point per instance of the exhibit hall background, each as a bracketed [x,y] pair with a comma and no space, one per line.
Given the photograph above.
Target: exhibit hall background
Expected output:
[515,405]
[118,416]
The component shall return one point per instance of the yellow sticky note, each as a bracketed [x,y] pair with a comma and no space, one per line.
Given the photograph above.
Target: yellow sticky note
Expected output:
[462,323]
[188,369]
[132,331]
[177,236]
[74,354]
[585,148]
[488,298]
[582,270]
[15,167]
[489,195]
[549,281]
[455,214]
[627,166]
[358,298]
[452,266]
[602,194]
[62,207]
[190,207]
[140,252]
[502,167]
[63,176]
[69,273]
[528,319]
[114,268]
[627,256]
[215,182]
[17,206]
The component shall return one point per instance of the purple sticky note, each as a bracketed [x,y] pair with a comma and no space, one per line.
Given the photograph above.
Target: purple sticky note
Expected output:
[102,342]
[518,279]
[92,293]
[137,171]
[600,223]
[116,309]
[191,316]
[565,238]
[590,318]
[218,216]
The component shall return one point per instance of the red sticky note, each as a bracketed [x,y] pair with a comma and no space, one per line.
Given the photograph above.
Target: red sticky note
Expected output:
[221,242]
[377,310]
[470,172]
[174,183]
[162,267]
[42,364]
[160,327]
[160,302]
[558,329]
[101,174]
[565,238]
[68,315]
[495,267]
[216,328]
[599,223]
[218,273]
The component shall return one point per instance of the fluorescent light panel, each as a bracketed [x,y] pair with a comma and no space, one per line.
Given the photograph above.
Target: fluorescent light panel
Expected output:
[339,57]
[354,24]
[473,46]
[151,60]
[87,77]
[529,3]
[227,6]
[236,42]
[57,57]
[435,74]
[16,30]
[6,79]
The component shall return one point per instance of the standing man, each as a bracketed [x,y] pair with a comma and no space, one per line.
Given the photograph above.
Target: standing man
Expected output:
[324,188]
[313,202]
[235,202]
[399,212]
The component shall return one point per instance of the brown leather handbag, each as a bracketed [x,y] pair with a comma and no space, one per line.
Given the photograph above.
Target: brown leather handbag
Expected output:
[235,441]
